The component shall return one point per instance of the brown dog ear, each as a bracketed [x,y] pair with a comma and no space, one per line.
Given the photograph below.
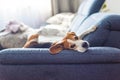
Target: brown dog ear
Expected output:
[56,47]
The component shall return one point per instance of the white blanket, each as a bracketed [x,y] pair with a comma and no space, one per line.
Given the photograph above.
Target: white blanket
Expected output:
[59,26]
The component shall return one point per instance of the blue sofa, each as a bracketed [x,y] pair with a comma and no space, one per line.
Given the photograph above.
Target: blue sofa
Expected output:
[100,62]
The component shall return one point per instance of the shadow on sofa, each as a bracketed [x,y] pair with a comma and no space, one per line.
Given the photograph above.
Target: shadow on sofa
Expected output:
[100,62]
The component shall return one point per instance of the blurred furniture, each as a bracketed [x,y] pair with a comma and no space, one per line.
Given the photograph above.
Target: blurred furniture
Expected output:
[98,63]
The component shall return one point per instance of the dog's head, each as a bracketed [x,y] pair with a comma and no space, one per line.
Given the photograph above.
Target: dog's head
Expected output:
[70,41]
[71,36]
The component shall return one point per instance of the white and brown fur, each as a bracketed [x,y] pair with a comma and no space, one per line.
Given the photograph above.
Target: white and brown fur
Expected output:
[70,41]
[25,36]
[74,43]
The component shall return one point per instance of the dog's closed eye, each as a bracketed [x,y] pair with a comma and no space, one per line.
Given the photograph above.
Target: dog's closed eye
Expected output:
[72,46]
[76,38]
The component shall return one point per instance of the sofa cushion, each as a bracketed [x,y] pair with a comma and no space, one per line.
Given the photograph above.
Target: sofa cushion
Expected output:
[113,27]
[87,8]
[42,56]
[107,33]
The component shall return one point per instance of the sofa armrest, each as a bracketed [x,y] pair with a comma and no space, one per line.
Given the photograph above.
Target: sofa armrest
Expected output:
[42,56]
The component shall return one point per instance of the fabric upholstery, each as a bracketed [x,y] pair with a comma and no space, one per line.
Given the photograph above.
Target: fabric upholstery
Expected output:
[100,62]
[107,33]
[87,8]
[39,56]
[61,72]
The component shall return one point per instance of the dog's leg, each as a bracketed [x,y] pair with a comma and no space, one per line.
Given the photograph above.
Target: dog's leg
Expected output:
[89,30]
[33,39]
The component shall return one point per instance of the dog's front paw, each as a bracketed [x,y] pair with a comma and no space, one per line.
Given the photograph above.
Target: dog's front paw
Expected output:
[93,28]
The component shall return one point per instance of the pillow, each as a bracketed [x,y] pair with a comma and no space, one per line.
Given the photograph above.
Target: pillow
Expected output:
[59,18]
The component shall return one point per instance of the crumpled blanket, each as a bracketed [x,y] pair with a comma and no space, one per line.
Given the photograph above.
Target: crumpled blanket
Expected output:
[57,29]
[16,33]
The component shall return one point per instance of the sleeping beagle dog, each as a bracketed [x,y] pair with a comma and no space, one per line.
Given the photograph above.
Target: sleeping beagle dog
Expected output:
[70,41]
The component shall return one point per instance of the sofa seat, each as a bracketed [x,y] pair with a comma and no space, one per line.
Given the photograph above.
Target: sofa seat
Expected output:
[98,63]
[39,56]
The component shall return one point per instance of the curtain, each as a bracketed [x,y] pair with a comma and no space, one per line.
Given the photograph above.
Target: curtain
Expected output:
[31,12]
[59,6]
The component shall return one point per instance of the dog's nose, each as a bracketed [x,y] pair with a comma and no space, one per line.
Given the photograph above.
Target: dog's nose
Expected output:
[85,44]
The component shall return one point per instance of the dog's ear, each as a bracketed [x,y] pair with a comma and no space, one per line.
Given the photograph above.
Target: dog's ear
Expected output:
[56,47]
